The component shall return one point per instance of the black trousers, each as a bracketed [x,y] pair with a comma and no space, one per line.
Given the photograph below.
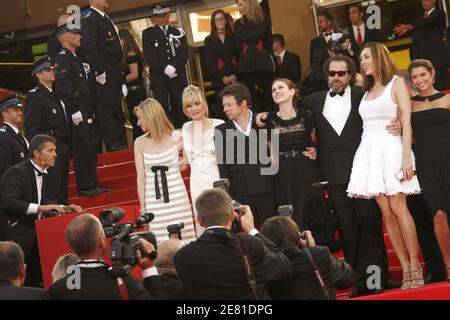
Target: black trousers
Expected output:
[85,146]
[174,108]
[134,98]
[426,236]
[262,205]
[57,184]
[264,81]
[33,277]
[109,108]
[442,82]
[361,233]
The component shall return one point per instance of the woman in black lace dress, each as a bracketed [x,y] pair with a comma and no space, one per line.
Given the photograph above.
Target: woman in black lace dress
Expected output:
[133,64]
[431,125]
[294,128]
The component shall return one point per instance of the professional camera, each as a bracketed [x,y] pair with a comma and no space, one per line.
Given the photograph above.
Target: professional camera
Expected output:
[286,211]
[340,43]
[225,185]
[174,230]
[125,242]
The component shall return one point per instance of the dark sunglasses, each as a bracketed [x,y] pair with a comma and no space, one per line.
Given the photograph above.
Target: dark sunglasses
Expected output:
[339,73]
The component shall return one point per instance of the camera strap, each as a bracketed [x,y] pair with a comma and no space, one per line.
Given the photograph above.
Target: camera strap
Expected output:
[317,273]
[248,264]
[122,289]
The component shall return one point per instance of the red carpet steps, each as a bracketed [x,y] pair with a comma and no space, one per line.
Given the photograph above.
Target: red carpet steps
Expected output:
[116,170]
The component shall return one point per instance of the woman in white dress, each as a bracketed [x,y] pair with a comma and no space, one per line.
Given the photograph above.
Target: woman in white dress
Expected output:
[198,145]
[383,165]
[160,186]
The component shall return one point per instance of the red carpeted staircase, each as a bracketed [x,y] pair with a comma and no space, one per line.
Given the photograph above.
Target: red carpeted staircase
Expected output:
[116,170]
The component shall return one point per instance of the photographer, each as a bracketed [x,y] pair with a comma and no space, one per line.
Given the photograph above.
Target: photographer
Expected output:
[304,283]
[87,239]
[213,267]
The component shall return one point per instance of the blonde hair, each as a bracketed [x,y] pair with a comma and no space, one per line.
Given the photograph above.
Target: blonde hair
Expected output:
[383,65]
[192,94]
[158,124]
[254,12]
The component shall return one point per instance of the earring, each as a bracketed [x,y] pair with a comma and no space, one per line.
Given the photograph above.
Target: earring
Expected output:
[434,80]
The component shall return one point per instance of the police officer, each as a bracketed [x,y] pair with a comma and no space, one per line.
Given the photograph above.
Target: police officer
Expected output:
[13,146]
[45,113]
[102,51]
[166,52]
[72,85]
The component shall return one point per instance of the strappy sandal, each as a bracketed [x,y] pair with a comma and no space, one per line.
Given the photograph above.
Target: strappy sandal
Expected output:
[406,282]
[417,279]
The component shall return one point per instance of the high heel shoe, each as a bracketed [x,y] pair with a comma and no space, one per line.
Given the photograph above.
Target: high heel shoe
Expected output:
[417,278]
[406,282]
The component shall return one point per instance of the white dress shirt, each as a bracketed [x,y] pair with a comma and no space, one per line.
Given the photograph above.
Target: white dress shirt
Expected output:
[327,38]
[16,130]
[337,109]
[249,125]
[252,232]
[429,12]
[33,207]
[362,29]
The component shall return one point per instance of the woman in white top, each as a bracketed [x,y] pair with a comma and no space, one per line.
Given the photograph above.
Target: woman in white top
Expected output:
[383,165]
[198,145]
[160,186]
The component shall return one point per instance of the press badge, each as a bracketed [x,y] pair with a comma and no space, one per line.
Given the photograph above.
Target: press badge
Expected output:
[54,111]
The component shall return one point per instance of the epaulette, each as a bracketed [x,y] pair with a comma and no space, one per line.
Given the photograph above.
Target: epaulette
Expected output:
[63,51]
[33,90]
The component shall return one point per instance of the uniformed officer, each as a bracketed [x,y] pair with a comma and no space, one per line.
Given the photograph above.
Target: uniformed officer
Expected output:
[102,51]
[72,85]
[13,146]
[166,51]
[45,113]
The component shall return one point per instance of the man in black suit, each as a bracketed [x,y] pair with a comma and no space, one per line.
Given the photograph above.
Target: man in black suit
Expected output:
[72,85]
[428,41]
[241,154]
[12,275]
[326,29]
[22,200]
[287,64]
[86,238]
[46,114]
[360,33]
[166,51]
[13,145]
[228,265]
[102,52]
[339,129]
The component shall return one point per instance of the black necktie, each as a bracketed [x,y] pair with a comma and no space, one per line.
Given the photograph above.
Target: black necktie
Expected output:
[40,174]
[334,94]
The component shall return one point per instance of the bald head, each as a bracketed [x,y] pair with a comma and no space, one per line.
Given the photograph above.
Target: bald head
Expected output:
[166,252]
[84,233]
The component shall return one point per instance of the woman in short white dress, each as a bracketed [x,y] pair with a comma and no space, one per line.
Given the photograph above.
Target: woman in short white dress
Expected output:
[383,165]
[160,186]
[198,145]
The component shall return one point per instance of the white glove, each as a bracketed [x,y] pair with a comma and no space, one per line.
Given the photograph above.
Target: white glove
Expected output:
[174,75]
[124,90]
[77,118]
[170,70]
[101,78]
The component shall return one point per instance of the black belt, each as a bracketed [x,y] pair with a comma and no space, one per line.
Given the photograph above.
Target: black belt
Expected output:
[165,187]
[291,154]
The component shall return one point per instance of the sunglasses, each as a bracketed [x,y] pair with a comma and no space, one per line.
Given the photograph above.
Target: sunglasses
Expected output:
[339,73]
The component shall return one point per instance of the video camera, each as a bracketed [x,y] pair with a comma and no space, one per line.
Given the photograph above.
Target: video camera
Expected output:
[337,43]
[125,242]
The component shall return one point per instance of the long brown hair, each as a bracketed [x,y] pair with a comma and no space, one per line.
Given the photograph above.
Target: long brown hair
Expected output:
[383,65]
[254,12]
[229,28]
[291,85]
[130,44]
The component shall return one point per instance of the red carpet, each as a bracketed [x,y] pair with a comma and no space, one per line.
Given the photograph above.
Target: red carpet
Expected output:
[116,171]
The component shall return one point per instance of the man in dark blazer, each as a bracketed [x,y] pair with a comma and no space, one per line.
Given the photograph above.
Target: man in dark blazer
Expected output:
[326,28]
[12,275]
[339,130]
[287,64]
[101,52]
[166,51]
[240,148]
[13,145]
[86,238]
[228,265]
[428,41]
[22,200]
[360,33]
[46,114]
